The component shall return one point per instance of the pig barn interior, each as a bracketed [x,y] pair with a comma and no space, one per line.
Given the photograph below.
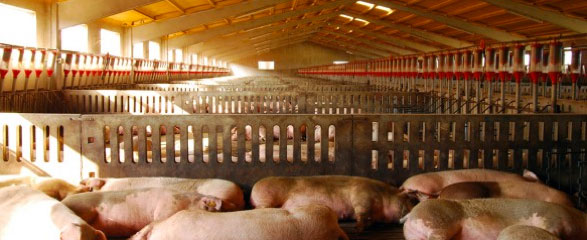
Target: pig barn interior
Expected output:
[242,90]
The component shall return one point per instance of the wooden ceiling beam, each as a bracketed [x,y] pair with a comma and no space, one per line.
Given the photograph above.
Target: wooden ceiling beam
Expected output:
[176,6]
[269,48]
[144,14]
[245,45]
[383,37]
[531,12]
[242,47]
[235,56]
[457,23]
[347,51]
[392,49]
[75,12]
[352,47]
[178,24]
[429,36]
[242,37]
[211,3]
[203,36]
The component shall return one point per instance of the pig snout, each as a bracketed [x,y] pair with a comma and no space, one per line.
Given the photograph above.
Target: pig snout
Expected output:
[93,183]
[210,204]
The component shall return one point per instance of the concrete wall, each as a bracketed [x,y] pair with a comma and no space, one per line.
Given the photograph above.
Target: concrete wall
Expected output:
[290,58]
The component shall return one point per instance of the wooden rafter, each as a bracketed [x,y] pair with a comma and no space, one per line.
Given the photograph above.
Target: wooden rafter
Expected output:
[175,5]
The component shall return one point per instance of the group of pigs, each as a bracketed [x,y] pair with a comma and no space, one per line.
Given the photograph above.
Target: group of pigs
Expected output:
[459,204]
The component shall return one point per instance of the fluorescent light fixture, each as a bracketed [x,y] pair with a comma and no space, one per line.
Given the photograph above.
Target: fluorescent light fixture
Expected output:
[385,9]
[365,22]
[347,17]
[340,62]
[366,4]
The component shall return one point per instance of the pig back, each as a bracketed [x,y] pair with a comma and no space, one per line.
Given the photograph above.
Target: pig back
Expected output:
[524,232]
[432,183]
[231,194]
[23,208]
[309,222]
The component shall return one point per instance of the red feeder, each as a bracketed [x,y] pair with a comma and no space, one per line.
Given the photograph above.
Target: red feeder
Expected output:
[555,61]
[504,58]
[489,64]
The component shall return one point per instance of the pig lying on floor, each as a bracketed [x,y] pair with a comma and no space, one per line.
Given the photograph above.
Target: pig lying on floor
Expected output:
[429,185]
[29,214]
[485,218]
[123,213]
[365,200]
[54,187]
[525,232]
[510,189]
[230,193]
[314,222]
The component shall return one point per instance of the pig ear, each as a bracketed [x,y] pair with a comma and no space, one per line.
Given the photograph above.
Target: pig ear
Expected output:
[411,196]
[530,176]
[100,235]
[212,204]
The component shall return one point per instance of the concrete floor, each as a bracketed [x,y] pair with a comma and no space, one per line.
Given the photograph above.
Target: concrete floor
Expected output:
[376,232]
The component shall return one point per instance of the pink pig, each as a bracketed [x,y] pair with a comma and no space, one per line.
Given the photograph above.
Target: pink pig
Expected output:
[509,189]
[231,194]
[363,199]
[26,213]
[123,213]
[481,219]
[314,222]
[429,185]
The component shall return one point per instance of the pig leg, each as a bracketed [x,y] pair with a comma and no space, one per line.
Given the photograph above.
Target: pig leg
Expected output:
[363,218]
[144,233]
[362,208]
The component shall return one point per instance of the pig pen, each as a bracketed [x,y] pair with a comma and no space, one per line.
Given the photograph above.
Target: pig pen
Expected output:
[387,147]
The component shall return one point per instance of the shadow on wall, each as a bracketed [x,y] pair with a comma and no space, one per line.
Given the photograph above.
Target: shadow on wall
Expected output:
[246,71]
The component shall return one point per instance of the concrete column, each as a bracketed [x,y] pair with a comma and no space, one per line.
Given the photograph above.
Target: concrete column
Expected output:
[94,43]
[146,50]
